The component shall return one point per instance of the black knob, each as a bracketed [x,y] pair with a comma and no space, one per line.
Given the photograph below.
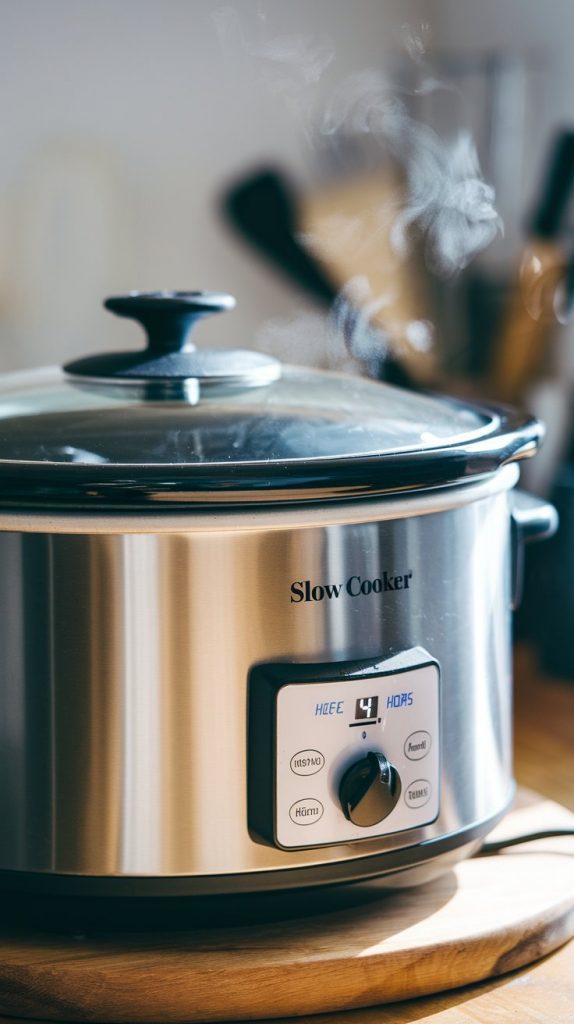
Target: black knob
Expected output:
[369,790]
[168,319]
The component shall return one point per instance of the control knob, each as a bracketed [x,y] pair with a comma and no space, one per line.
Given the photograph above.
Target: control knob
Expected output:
[369,790]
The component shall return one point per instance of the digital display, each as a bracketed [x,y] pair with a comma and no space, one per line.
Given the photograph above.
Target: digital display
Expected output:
[366,707]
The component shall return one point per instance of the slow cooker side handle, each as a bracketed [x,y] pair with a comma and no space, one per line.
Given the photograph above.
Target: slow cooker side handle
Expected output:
[531,519]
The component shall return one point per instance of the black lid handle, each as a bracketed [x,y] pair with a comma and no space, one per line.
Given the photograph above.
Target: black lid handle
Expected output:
[169,317]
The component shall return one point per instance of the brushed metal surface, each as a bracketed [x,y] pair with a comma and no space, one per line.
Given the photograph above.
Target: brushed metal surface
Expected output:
[124,659]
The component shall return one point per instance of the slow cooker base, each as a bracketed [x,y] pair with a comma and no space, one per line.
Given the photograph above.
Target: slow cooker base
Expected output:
[65,901]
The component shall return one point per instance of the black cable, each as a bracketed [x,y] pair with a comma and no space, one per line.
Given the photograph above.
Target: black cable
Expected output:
[496,845]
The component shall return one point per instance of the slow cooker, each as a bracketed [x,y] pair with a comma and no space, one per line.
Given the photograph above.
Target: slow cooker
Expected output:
[255,620]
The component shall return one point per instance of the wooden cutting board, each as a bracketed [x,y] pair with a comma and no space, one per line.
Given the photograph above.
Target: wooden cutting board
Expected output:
[488,916]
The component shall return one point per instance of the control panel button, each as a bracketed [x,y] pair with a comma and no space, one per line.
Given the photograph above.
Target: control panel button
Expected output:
[306,812]
[417,745]
[369,790]
[307,762]
[418,793]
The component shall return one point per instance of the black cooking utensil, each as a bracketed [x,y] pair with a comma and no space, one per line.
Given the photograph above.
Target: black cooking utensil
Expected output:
[522,345]
[548,218]
[263,209]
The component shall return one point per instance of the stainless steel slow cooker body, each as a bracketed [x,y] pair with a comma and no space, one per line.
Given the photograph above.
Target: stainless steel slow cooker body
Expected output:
[199,664]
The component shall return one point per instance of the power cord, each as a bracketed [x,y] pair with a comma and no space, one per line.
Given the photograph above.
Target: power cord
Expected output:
[496,845]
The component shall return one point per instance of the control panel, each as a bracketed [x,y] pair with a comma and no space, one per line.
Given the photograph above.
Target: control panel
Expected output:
[350,751]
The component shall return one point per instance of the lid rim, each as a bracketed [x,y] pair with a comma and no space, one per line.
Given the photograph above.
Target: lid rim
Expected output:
[237,484]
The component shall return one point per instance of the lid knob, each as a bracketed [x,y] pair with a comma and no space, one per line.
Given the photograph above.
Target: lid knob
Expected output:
[168,319]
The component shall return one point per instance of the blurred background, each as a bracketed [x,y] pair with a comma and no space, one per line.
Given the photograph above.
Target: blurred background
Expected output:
[383,184]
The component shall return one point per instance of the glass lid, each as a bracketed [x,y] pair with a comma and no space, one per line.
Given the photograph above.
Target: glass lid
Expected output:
[175,423]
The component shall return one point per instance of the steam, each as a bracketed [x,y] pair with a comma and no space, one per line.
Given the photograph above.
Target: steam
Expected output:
[307,339]
[347,335]
[351,319]
[290,64]
[335,341]
[415,41]
[420,335]
[445,197]
[448,200]
[293,63]
[442,206]
[287,66]
[355,318]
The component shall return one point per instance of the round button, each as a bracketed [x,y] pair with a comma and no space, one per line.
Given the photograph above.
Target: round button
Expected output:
[417,745]
[369,790]
[306,812]
[418,793]
[307,762]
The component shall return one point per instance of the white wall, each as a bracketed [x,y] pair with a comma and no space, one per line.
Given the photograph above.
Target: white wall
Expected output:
[120,120]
